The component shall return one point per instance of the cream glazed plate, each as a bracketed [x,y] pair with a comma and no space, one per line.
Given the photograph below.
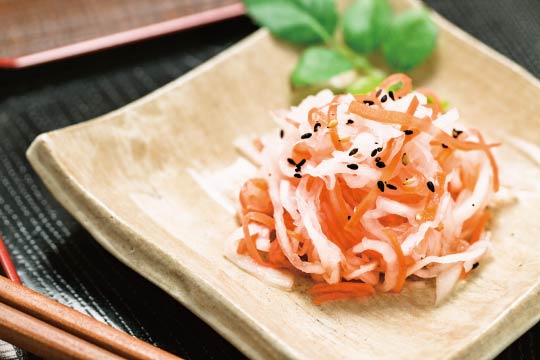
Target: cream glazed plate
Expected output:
[133,178]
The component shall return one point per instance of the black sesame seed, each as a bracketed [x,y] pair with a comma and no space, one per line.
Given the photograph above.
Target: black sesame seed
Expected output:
[380,164]
[384,98]
[316,127]
[374,152]
[380,185]
[298,176]
[378,92]
[379,149]
[391,94]
[444,146]
[297,169]
[475,265]
[305,136]
[408,132]
[473,205]
[391,187]
[352,166]
[291,161]
[377,159]
[456,133]
[368,102]
[302,162]
[348,217]
[353,151]
[430,186]
[350,121]
[281,133]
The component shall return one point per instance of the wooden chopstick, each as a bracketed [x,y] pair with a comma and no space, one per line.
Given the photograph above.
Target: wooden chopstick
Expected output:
[45,340]
[7,264]
[24,304]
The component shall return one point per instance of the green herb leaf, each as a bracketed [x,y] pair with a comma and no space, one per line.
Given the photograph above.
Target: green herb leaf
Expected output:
[297,21]
[365,23]
[317,65]
[410,40]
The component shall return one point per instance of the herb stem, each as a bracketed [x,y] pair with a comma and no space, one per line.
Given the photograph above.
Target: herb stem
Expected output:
[360,62]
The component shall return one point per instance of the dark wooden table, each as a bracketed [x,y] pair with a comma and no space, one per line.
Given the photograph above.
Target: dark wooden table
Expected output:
[57,257]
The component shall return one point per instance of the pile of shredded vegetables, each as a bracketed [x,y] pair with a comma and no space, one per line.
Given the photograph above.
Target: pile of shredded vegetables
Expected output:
[365,192]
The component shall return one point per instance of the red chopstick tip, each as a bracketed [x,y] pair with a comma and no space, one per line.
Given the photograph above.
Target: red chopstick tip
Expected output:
[7,264]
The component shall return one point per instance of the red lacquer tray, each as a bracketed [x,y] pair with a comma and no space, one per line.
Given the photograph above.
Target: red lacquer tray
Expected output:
[39,31]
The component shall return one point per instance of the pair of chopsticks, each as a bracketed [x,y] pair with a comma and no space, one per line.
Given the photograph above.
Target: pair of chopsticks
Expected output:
[51,330]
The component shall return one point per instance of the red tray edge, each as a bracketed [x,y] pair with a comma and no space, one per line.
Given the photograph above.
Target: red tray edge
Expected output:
[124,37]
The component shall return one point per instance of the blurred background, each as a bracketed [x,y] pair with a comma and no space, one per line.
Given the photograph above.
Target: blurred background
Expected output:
[52,252]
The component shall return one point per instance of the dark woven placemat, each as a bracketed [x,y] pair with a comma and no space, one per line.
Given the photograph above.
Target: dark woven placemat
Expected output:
[57,257]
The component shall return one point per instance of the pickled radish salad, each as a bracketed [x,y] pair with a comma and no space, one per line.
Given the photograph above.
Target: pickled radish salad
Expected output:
[365,194]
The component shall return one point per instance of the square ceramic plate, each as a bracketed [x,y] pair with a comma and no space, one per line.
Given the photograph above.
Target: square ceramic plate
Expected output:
[125,177]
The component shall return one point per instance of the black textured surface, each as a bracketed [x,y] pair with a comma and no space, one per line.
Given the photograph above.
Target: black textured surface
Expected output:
[57,257]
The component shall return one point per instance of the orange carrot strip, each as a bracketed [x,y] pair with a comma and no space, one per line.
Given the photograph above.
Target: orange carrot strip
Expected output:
[374,255]
[492,162]
[288,220]
[258,144]
[436,104]
[475,236]
[293,123]
[360,210]
[261,219]
[434,111]
[392,220]
[331,226]
[430,210]
[395,117]
[443,155]
[413,106]
[370,97]
[409,260]
[301,151]
[276,256]
[381,115]
[335,139]
[395,79]
[336,296]
[332,221]
[241,247]
[315,115]
[254,197]
[332,109]
[368,201]
[451,142]
[305,242]
[337,202]
[409,198]
[250,245]
[323,288]
[249,241]
[348,196]
[402,275]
